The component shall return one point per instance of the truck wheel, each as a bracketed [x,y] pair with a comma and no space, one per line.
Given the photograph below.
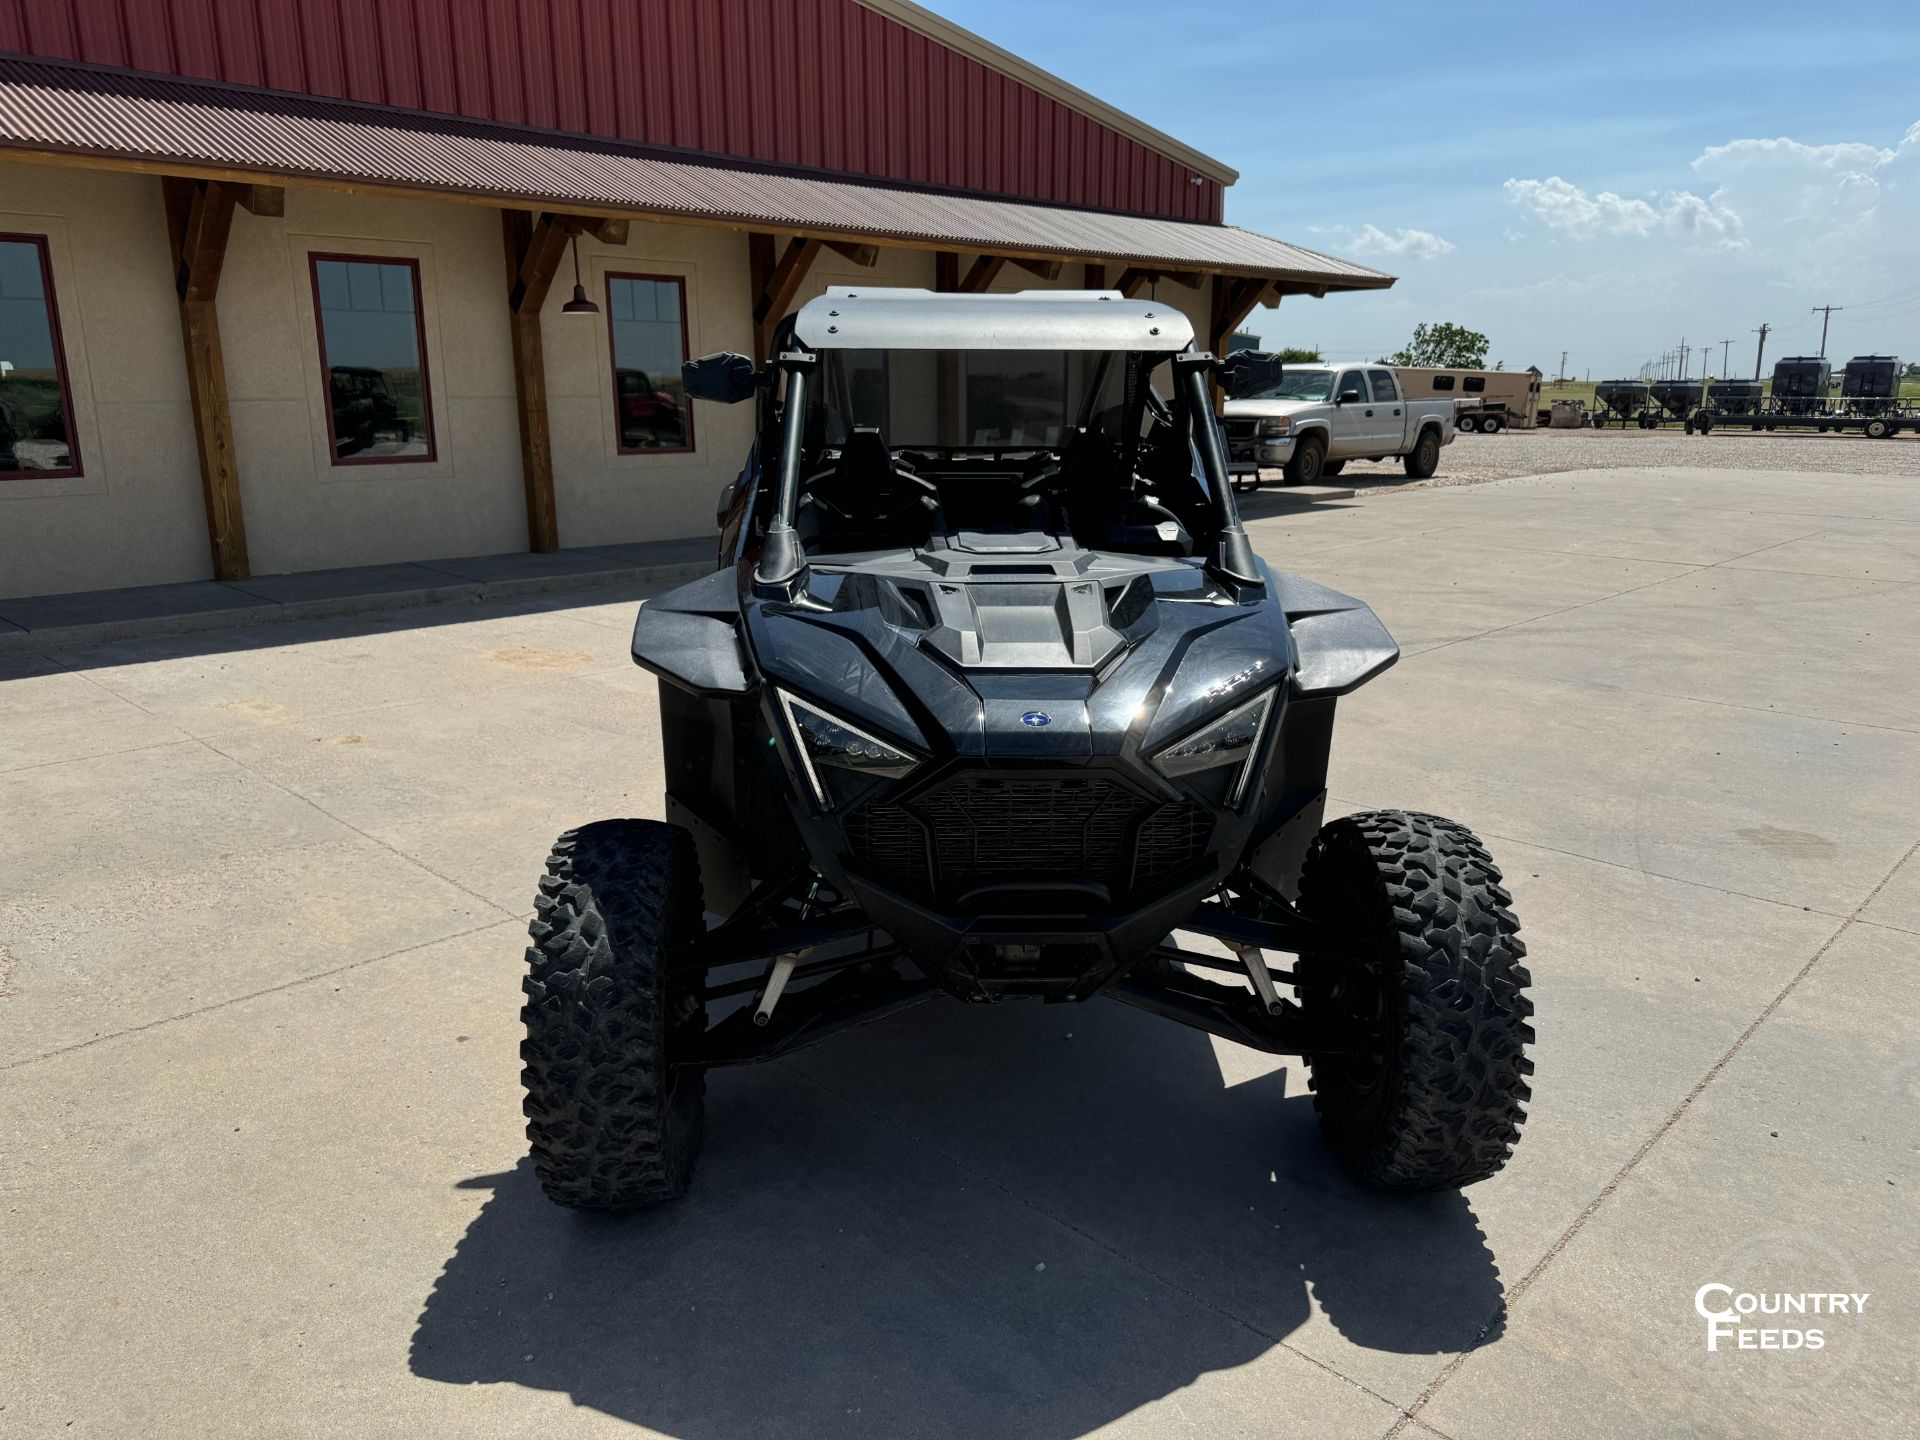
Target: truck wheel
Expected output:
[1331,468]
[611,1122]
[1433,988]
[1308,456]
[1421,461]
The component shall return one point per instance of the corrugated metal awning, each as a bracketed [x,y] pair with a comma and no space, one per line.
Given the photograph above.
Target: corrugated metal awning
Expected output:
[49,107]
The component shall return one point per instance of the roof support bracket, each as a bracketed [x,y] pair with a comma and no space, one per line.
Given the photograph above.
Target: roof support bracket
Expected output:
[776,283]
[199,219]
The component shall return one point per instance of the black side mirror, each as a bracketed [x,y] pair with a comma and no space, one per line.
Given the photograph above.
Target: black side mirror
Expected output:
[1248,372]
[725,378]
[1350,397]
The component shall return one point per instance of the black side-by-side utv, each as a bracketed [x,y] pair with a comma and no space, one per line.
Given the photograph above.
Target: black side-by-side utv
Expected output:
[990,698]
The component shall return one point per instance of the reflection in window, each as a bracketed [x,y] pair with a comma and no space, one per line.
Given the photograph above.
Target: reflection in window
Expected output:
[1016,397]
[36,409]
[373,351]
[647,314]
[1443,382]
[1474,384]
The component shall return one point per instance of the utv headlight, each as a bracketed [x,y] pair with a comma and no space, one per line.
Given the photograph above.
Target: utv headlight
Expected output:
[1233,739]
[1282,425]
[826,741]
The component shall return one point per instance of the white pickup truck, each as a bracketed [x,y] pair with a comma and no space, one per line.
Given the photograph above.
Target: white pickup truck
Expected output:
[1318,417]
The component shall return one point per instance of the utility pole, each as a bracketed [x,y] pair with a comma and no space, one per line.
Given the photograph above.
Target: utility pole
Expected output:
[1826,314]
[1725,349]
[1563,366]
[1680,370]
[1706,359]
[1761,351]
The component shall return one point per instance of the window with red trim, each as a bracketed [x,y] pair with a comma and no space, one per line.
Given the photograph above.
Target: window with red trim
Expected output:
[373,355]
[37,438]
[647,316]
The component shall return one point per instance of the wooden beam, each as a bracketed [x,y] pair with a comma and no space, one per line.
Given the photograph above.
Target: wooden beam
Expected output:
[1045,269]
[946,272]
[865,256]
[1233,300]
[199,218]
[775,294]
[267,201]
[1131,282]
[606,228]
[1093,276]
[982,273]
[534,246]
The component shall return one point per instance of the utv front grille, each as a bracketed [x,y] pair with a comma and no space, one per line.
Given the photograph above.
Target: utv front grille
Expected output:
[1037,832]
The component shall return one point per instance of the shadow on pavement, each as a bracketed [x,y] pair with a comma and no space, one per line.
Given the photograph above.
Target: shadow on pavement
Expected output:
[971,1222]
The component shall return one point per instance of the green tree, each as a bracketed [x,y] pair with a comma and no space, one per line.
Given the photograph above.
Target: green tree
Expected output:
[1442,346]
[1296,355]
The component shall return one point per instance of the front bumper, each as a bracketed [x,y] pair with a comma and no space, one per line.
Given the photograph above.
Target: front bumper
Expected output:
[1261,450]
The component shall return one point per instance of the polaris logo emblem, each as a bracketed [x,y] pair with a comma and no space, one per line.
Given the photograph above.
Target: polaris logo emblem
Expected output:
[1036,718]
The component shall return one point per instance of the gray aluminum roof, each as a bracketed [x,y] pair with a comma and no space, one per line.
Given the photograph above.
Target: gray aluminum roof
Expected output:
[62,108]
[854,317]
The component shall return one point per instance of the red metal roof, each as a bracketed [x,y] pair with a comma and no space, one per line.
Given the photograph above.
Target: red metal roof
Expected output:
[72,109]
[820,84]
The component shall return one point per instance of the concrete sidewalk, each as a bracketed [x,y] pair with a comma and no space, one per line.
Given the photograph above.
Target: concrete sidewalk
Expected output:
[32,624]
[260,948]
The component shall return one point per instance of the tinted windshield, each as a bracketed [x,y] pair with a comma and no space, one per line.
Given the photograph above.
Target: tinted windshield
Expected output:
[1298,385]
[968,399]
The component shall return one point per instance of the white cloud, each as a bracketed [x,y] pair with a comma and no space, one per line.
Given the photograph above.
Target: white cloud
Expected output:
[1563,206]
[1417,244]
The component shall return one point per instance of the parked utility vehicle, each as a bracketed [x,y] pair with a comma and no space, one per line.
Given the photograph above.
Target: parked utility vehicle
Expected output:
[990,699]
[1313,419]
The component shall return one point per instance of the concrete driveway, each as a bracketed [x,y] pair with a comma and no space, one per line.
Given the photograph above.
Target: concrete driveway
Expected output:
[260,934]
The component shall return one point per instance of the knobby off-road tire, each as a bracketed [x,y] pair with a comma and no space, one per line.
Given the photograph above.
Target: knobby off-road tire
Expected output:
[611,1124]
[1421,461]
[1434,974]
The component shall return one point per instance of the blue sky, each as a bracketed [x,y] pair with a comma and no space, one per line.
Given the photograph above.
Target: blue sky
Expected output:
[1535,175]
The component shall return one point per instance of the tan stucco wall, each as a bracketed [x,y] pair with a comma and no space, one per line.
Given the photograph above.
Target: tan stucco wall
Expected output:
[135,516]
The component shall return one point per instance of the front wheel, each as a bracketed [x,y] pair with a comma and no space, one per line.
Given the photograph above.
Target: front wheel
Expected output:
[1421,461]
[1308,456]
[1427,998]
[612,1121]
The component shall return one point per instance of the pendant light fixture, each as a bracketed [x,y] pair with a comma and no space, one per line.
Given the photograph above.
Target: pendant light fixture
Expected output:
[579,304]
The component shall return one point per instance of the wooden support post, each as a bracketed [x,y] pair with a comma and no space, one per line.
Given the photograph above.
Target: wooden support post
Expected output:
[776,283]
[982,273]
[533,250]
[1132,281]
[1093,276]
[946,272]
[199,218]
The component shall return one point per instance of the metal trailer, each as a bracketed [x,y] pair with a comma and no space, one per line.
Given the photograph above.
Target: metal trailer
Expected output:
[1876,424]
[1619,401]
